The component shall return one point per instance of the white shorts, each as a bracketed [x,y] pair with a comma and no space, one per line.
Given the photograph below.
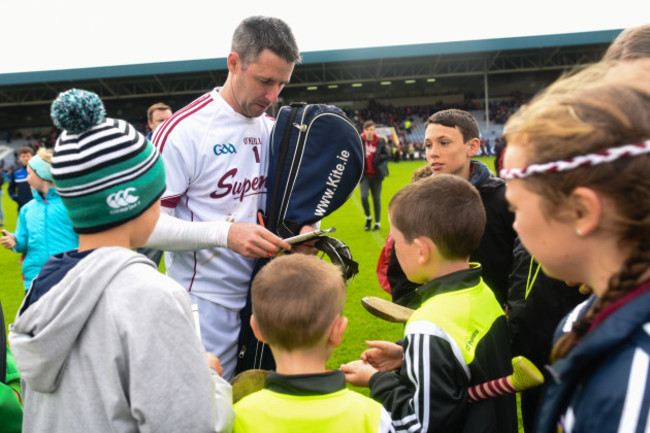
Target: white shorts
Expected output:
[219,332]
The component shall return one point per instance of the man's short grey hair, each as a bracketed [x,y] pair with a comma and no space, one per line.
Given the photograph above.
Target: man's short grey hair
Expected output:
[257,33]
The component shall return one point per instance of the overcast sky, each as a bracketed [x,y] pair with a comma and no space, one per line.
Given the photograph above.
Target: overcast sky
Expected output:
[41,35]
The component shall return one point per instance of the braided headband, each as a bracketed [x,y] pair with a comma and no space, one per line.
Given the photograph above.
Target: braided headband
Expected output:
[607,155]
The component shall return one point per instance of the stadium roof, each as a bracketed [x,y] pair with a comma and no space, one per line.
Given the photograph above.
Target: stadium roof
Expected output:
[323,76]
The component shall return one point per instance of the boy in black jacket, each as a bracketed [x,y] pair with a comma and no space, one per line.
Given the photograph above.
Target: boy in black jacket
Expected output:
[458,336]
[451,140]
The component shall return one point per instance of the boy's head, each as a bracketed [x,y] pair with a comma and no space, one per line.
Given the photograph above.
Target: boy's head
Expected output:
[451,140]
[25,153]
[104,170]
[440,218]
[297,299]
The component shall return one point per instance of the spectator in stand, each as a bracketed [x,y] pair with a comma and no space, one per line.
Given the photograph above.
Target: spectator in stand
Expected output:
[156,115]
[376,167]
[19,189]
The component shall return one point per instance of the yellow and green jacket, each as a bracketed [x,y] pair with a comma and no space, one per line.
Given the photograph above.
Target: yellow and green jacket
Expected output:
[457,338]
[309,403]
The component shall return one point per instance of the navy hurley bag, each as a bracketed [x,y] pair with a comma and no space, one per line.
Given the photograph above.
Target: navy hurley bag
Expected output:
[316,161]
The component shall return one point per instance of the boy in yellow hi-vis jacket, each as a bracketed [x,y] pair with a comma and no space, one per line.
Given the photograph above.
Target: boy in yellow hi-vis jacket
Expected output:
[458,336]
[297,309]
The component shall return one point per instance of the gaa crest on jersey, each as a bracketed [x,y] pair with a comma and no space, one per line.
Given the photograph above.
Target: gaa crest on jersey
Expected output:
[224,149]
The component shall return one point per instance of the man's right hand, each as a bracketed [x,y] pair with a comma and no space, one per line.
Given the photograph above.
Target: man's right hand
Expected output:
[254,241]
[8,240]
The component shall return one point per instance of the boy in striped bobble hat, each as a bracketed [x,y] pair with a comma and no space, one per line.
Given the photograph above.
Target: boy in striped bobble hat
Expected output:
[103,326]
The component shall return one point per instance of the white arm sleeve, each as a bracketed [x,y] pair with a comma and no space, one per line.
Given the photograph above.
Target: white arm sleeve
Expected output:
[223,397]
[173,234]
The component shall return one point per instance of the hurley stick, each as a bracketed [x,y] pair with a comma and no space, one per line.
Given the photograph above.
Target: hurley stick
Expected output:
[386,310]
[525,375]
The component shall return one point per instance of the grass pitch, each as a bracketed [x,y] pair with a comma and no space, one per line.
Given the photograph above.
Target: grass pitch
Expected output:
[348,220]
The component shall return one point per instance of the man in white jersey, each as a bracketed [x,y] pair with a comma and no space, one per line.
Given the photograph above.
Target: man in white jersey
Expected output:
[215,153]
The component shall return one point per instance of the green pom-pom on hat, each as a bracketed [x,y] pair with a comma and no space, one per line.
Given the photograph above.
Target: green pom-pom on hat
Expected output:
[77,111]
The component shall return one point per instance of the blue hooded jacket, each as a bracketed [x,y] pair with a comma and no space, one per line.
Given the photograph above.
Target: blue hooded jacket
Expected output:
[44,229]
[602,385]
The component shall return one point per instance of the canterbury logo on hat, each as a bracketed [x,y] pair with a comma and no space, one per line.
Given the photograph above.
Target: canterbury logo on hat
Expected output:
[105,171]
[121,198]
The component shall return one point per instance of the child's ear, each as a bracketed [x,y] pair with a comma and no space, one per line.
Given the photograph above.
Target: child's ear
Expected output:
[586,210]
[256,330]
[337,330]
[474,145]
[425,248]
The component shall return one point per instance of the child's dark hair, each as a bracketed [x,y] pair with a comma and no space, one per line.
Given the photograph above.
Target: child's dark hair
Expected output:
[444,208]
[455,118]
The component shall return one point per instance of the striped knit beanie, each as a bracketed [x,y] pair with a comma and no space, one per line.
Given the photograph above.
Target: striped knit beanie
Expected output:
[104,170]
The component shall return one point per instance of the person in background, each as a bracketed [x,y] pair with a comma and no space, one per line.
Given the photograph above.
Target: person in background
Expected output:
[19,189]
[43,228]
[156,115]
[375,169]
[451,140]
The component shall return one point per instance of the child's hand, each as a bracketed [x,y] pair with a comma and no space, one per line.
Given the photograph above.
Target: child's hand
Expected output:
[358,373]
[384,355]
[8,240]
[214,363]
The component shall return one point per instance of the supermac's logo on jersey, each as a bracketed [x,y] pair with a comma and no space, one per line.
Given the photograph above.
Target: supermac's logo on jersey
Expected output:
[224,149]
[123,200]
[237,188]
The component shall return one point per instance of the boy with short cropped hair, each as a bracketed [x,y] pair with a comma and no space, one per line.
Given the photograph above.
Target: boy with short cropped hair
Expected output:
[298,303]
[103,341]
[19,189]
[458,337]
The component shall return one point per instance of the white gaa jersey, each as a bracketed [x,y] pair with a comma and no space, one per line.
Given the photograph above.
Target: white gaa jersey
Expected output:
[216,167]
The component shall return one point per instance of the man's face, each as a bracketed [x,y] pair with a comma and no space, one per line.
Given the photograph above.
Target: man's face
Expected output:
[256,86]
[158,117]
[447,152]
[24,158]
[369,132]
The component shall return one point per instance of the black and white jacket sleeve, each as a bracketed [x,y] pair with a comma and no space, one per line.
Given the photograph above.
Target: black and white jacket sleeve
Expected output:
[430,391]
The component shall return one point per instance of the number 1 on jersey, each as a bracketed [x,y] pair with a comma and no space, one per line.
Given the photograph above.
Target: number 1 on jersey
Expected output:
[257,154]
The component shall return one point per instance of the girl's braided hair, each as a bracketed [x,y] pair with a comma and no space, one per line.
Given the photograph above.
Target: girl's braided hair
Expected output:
[589,117]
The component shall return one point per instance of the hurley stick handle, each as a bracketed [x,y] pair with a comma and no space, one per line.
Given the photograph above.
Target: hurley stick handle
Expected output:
[525,376]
